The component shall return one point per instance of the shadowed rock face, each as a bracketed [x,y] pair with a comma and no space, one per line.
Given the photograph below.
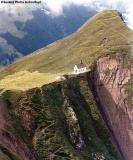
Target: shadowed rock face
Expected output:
[11,145]
[112,77]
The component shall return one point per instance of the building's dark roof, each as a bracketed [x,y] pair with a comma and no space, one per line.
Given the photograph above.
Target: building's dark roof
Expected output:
[80,65]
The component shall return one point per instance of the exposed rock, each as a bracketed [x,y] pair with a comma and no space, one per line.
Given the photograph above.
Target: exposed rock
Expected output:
[9,142]
[74,128]
[110,78]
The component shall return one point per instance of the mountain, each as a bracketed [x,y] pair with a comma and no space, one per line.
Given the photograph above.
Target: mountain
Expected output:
[105,33]
[80,117]
[26,36]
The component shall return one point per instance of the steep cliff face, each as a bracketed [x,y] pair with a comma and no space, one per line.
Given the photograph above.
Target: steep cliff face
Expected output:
[12,146]
[113,90]
[57,121]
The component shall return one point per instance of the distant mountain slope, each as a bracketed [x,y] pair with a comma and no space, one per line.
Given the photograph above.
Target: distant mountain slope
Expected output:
[39,31]
[105,33]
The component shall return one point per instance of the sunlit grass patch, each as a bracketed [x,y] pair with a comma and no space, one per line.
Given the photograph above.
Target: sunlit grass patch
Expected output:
[24,80]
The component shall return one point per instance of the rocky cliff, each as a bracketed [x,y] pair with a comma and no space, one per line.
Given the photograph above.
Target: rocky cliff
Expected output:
[57,121]
[12,147]
[112,79]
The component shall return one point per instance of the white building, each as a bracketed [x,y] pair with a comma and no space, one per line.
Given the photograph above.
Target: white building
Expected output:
[79,68]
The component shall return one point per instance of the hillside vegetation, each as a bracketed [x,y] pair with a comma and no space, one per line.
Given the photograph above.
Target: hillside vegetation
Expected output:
[105,33]
[59,121]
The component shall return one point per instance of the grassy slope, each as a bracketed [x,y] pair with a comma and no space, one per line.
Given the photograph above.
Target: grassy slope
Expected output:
[103,34]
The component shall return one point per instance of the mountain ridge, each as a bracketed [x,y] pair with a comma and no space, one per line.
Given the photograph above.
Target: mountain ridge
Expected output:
[106,33]
[26,36]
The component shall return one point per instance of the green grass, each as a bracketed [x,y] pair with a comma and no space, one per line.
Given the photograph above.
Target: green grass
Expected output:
[49,135]
[24,80]
[103,34]
[107,72]
[129,88]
